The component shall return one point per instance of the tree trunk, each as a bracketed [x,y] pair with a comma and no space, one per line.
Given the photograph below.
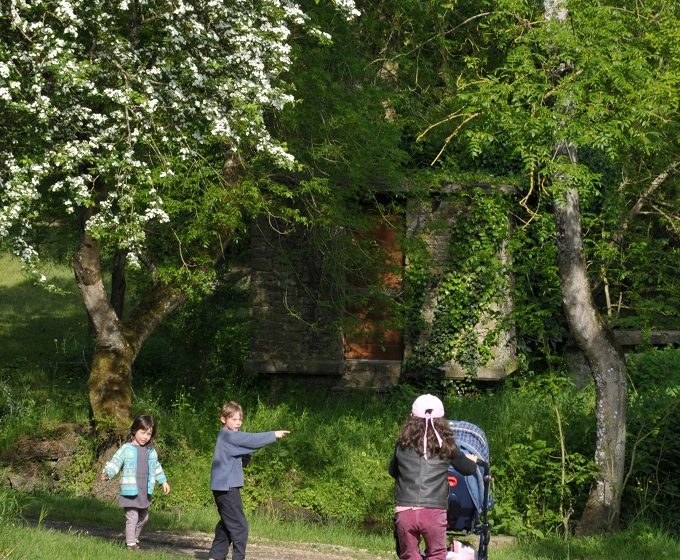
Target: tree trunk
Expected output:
[117,341]
[593,338]
[110,387]
[118,284]
[608,368]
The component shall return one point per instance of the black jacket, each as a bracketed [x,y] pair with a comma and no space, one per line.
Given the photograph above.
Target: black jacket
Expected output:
[423,482]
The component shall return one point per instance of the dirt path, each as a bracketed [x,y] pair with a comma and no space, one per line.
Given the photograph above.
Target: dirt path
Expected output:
[196,545]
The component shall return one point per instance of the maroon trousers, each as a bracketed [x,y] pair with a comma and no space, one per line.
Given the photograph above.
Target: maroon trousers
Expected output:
[428,523]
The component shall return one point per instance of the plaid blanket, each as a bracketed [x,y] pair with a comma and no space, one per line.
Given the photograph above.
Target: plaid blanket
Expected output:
[470,437]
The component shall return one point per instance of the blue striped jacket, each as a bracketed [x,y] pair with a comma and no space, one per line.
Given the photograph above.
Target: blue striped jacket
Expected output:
[125,461]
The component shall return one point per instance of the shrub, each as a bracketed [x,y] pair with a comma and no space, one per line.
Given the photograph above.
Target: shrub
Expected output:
[78,476]
[653,471]
[540,455]
[334,464]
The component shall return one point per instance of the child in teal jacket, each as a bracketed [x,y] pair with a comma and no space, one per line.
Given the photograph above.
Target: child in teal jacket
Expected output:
[140,470]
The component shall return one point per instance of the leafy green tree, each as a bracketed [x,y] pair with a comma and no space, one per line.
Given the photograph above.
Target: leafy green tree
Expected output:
[137,137]
[581,84]
[578,103]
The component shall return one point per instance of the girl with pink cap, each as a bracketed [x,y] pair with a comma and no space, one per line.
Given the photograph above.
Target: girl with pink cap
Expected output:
[424,449]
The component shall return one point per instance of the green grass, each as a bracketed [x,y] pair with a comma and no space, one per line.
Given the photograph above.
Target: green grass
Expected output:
[54,323]
[76,510]
[630,545]
[638,542]
[23,543]
[43,341]
[299,531]
[88,511]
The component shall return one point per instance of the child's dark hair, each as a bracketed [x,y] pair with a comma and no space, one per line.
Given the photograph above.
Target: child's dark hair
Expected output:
[143,422]
[413,431]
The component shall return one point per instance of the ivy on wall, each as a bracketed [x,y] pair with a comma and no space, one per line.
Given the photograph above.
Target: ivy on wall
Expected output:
[466,290]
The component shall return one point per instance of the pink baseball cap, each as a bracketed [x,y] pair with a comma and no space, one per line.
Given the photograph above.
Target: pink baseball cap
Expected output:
[427,402]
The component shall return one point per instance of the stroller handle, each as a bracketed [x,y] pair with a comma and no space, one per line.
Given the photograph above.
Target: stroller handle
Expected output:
[485,466]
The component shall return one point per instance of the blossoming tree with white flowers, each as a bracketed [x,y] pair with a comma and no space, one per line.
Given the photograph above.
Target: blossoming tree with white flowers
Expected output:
[135,132]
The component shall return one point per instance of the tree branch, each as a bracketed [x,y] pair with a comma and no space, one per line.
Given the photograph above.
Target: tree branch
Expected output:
[635,210]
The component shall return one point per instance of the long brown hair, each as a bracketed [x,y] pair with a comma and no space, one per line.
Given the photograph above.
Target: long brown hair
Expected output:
[412,433]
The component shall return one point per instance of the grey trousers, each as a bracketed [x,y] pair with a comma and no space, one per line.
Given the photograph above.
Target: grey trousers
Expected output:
[135,519]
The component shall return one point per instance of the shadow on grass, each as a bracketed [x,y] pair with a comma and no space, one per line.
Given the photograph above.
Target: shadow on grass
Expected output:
[76,509]
[42,330]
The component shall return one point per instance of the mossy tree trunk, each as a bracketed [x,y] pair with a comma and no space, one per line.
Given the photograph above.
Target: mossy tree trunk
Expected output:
[117,340]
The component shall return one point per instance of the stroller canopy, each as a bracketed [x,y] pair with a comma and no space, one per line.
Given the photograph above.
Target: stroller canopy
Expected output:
[470,438]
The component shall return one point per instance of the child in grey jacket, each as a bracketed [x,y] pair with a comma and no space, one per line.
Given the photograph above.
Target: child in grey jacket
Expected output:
[232,451]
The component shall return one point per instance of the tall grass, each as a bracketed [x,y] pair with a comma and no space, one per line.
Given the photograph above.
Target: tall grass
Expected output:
[10,506]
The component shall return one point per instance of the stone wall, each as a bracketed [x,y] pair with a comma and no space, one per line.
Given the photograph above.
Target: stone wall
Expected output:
[297,335]
[431,222]
[294,330]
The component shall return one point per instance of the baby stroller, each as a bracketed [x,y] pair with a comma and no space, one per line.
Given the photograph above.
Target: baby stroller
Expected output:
[469,498]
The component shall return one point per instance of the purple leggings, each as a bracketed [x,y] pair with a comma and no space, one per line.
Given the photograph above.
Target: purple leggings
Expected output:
[135,519]
[428,523]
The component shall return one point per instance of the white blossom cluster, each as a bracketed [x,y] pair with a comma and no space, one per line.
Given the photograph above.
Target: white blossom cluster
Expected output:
[98,99]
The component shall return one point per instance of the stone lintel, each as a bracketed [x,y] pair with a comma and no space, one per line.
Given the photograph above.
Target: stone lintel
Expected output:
[455,187]
[314,367]
[370,374]
[490,372]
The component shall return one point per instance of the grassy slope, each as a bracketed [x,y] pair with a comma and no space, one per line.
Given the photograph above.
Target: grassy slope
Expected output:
[54,323]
